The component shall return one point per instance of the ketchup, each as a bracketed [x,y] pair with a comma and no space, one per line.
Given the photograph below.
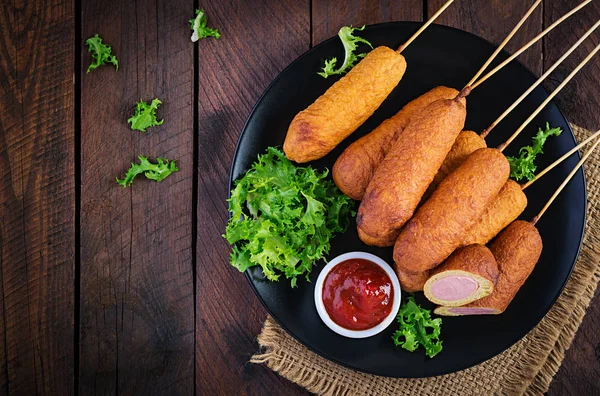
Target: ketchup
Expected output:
[358,294]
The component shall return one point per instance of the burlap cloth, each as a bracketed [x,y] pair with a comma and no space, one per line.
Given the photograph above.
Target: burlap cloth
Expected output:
[525,368]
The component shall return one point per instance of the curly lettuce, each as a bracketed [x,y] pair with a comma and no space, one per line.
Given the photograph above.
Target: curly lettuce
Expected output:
[350,42]
[145,115]
[199,28]
[101,53]
[523,166]
[157,172]
[417,328]
[283,217]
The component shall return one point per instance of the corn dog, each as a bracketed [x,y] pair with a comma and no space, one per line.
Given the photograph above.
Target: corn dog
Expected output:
[440,224]
[348,103]
[354,168]
[409,167]
[517,250]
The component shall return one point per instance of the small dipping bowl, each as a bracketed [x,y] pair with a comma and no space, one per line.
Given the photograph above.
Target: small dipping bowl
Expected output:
[321,305]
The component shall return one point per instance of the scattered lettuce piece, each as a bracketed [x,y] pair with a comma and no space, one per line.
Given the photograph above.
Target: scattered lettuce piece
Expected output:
[158,171]
[350,42]
[414,322]
[283,217]
[523,167]
[101,53]
[145,116]
[198,26]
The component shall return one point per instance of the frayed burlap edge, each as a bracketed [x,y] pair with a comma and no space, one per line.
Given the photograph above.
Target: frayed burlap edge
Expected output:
[526,368]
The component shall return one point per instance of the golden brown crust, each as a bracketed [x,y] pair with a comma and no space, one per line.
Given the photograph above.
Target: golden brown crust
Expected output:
[440,224]
[475,259]
[466,143]
[355,166]
[410,282]
[517,250]
[348,103]
[407,170]
[504,209]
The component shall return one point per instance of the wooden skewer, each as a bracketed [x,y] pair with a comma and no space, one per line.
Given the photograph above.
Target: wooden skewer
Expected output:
[564,183]
[503,44]
[558,161]
[486,131]
[549,98]
[425,25]
[529,44]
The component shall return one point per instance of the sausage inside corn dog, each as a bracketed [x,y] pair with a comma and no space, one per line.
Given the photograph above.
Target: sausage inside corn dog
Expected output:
[354,168]
[469,274]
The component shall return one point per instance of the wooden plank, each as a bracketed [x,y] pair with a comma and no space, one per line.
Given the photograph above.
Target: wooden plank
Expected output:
[37,205]
[493,20]
[329,16]
[579,100]
[258,40]
[137,295]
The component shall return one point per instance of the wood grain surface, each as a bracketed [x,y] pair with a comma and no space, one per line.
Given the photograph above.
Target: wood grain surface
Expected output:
[329,16]
[579,100]
[258,40]
[105,290]
[137,292]
[37,197]
[493,20]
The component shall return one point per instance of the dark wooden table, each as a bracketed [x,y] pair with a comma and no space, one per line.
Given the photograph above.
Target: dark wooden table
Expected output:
[107,290]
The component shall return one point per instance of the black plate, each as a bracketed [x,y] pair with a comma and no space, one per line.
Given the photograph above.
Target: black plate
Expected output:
[441,56]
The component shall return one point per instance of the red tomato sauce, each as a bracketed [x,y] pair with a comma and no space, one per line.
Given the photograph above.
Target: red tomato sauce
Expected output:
[358,294]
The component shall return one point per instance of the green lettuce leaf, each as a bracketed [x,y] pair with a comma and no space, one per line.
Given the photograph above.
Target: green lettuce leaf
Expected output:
[523,166]
[283,217]
[145,116]
[417,328]
[199,28]
[350,43]
[101,53]
[157,172]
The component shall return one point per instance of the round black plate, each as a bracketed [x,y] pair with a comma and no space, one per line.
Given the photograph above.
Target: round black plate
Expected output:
[441,56]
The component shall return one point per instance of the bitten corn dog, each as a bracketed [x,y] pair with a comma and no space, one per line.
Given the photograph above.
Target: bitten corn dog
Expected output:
[517,250]
[469,274]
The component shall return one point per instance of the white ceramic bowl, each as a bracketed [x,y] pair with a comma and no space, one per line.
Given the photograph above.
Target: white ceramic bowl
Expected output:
[357,333]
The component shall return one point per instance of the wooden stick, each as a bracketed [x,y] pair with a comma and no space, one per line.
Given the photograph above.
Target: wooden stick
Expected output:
[564,183]
[561,159]
[529,44]
[425,25]
[486,131]
[503,44]
[549,98]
